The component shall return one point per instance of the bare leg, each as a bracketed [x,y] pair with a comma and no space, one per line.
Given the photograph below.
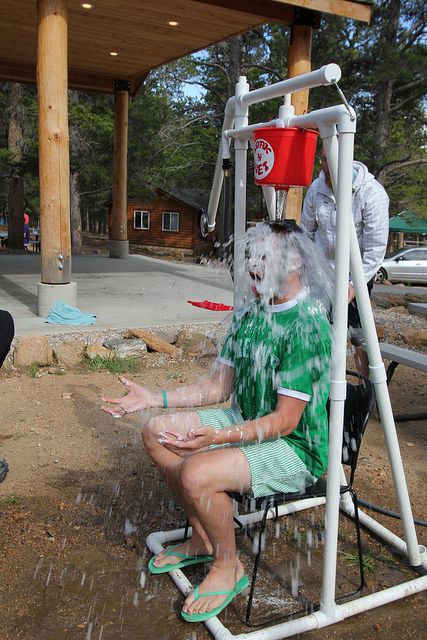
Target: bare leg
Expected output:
[170,466]
[361,361]
[205,479]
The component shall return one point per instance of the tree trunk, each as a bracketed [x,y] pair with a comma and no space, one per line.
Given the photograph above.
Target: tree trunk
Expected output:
[388,40]
[235,62]
[76,218]
[15,238]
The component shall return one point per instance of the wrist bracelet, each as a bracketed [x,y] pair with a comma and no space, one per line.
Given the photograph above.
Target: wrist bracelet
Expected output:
[165,399]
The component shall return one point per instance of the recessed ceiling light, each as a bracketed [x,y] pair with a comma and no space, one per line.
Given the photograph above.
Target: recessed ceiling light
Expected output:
[113,53]
[87,5]
[173,23]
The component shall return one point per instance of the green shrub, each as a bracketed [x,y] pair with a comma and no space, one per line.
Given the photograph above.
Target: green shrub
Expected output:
[33,369]
[115,364]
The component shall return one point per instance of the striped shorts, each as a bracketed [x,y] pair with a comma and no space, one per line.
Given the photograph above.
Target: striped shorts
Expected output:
[274,465]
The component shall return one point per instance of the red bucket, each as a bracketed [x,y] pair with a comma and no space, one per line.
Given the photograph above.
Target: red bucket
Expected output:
[284,156]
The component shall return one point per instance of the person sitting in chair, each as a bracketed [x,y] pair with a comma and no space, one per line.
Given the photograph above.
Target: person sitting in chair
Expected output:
[274,438]
[7,331]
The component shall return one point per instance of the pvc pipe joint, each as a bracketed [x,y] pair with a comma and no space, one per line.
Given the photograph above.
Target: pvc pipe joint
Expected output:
[338,390]
[377,373]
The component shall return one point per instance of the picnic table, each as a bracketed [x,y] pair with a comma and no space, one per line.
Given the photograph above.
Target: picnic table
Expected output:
[409,358]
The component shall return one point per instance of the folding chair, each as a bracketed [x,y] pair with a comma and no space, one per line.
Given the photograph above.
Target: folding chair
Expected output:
[357,409]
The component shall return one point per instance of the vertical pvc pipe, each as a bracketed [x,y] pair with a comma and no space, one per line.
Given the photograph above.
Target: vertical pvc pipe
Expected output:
[241,152]
[379,379]
[218,175]
[338,379]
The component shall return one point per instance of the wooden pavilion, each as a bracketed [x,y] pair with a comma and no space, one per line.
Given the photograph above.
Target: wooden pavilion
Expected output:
[110,46]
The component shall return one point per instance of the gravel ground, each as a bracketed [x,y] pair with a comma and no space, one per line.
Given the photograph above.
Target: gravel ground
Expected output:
[399,322]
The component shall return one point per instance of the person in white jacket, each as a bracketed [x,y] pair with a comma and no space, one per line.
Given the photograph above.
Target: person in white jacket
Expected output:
[370,212]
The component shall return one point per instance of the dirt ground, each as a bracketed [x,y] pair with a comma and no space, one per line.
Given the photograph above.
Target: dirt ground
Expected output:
[81,497]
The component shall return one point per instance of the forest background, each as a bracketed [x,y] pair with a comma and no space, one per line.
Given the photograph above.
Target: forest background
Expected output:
[175,118]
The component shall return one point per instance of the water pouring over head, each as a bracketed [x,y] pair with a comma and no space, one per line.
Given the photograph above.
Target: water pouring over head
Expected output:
[283,263]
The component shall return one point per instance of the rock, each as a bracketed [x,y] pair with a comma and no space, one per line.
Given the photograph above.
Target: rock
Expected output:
[395,301]
[8,362]
[413,297]
[392,335]
[18,515]
[218,336]
[96,349]
[170,337]
[195,344]
[56,370]
[32,350]
[416,337]
[126,348]
[399,309]
[380,331]
[69,354]
[153,342]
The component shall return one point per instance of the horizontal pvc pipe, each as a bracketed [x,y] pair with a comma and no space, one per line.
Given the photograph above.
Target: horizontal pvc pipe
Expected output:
[380,598]
[327,74]
[388,536]
[323,118]
[246,132]
[284,630]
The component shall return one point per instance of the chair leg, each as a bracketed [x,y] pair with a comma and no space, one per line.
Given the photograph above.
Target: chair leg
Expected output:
[256,565]
[359,540]
[187,526]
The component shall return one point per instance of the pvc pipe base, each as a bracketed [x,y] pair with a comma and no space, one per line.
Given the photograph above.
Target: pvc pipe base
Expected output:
[48,294]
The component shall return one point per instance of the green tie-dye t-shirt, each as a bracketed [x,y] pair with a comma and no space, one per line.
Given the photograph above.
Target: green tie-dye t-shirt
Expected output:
[284,349]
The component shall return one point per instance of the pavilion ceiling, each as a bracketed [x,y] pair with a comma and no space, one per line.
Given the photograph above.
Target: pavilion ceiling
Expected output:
[141,33]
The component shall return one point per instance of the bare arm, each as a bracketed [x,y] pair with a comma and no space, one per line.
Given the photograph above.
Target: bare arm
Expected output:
[281,422]
[213,389]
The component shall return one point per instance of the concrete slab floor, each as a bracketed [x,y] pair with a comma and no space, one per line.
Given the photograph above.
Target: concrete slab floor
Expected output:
[135,292]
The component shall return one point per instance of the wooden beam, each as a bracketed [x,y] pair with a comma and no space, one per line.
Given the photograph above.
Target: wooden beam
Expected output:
[265,9]
[299,61]
[355,10]
[280,10]
[54,164]
[119,206]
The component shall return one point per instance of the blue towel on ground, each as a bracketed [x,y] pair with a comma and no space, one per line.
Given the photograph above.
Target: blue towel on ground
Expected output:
[62,313]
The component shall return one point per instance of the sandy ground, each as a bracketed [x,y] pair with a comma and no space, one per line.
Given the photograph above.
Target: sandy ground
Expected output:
[82,496]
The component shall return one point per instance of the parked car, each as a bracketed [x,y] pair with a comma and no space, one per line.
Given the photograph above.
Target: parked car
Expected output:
[405,265]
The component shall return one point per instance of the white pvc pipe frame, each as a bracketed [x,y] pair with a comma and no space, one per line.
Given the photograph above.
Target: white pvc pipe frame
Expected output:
[330,122]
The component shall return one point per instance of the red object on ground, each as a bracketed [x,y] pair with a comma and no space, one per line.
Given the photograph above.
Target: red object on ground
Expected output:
[284,156]
[211,306]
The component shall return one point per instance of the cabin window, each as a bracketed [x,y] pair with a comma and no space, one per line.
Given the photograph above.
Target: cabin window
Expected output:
[170,221]
[141,219]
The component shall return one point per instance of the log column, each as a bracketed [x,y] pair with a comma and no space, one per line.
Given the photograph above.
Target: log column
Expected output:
[54,159]
[299,61]
[119,245]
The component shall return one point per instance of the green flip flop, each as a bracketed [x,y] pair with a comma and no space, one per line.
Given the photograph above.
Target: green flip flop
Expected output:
[201,617]
[185,562]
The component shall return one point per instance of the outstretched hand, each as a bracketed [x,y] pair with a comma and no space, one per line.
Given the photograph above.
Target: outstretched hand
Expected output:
[137,398]
[195,440]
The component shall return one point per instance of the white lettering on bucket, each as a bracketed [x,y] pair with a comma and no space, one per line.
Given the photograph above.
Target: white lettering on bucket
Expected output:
[264,158]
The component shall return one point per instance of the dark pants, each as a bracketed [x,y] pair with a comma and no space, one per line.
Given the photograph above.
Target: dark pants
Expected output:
[7,331]
[354,324]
